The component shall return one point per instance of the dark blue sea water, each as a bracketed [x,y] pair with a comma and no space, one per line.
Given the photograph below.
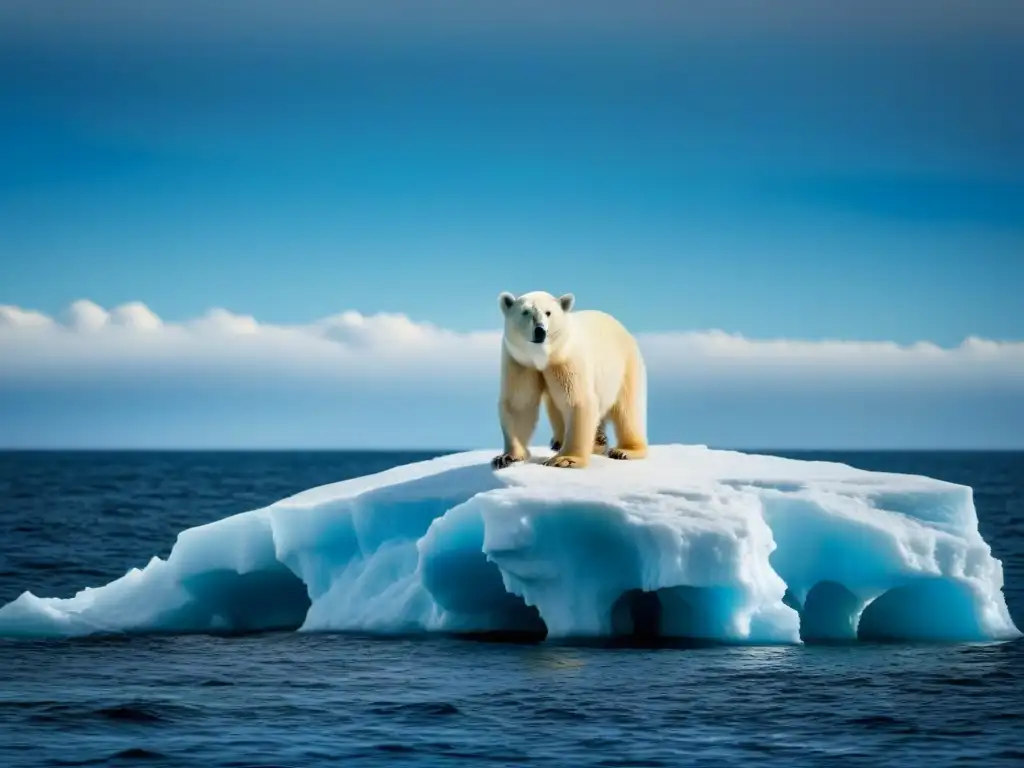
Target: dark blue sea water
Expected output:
[70,520]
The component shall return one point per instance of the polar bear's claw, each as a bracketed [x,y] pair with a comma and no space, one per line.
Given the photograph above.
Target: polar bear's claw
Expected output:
[504,460]
[564,462]
[625,454]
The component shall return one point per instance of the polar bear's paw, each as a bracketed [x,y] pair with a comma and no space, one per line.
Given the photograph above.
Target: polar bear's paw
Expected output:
[505,460]
[566,462]
[624,454]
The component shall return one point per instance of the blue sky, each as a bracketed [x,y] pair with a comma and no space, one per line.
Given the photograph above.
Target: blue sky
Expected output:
[812,174]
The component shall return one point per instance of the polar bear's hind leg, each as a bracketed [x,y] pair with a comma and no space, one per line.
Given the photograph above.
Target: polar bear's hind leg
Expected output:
[629,414]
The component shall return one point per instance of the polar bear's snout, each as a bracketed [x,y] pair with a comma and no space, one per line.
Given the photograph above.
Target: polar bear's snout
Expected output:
[539,334]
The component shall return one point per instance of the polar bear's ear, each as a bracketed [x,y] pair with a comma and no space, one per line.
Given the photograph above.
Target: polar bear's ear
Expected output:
[567,301]
[505,301]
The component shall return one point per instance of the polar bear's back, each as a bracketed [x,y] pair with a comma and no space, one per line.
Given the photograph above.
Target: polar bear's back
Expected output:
[602,328]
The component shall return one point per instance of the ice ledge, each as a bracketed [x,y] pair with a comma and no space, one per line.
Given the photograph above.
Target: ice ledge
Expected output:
[691,543]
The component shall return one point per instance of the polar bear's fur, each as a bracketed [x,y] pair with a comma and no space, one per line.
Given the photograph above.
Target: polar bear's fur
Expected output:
[585,366]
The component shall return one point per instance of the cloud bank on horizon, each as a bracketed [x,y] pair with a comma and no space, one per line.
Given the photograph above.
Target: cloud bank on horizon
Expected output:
[125,340]
[90,376]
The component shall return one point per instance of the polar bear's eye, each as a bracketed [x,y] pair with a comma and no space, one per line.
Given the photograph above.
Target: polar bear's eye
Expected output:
[548,313]
[526,312]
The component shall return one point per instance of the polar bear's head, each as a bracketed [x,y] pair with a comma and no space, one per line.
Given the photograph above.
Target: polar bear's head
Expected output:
[535,323]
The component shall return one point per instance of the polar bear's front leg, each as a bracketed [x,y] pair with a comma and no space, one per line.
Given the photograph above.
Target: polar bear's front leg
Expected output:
[518,420]
[570,388]
[557,423]
[558,429]
[579,437]
[518,411]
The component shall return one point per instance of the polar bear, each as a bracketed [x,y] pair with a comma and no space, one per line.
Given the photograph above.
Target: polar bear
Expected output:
[584,365]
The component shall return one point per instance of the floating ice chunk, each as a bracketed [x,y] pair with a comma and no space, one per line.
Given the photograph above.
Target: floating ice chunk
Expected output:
[690,543]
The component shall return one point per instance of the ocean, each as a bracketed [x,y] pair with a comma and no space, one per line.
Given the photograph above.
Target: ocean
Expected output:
[77,519]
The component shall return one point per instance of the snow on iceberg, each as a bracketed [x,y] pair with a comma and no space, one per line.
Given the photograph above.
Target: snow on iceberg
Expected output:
[690,543]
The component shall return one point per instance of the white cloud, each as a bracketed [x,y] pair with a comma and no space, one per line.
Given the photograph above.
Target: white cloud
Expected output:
[220,322]
[92,377]
[85,316]
[136,315]
[87,341]
[88,317]
[15,317]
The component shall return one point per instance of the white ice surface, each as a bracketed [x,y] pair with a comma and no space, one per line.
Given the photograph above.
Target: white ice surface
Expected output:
[690,543]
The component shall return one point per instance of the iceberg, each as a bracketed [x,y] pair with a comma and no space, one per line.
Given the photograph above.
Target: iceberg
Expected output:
[692,544]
